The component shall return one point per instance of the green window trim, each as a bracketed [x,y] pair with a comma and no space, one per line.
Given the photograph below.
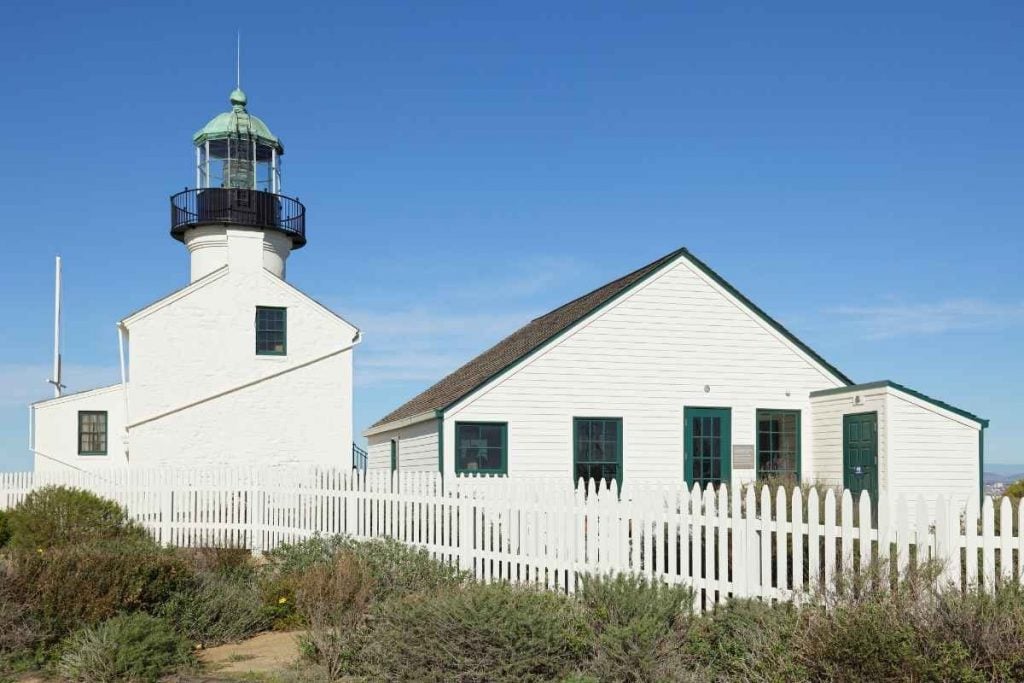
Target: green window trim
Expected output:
[464,431]
[779,429]
[394,455]
[579,425]
[92,432]
[271,327]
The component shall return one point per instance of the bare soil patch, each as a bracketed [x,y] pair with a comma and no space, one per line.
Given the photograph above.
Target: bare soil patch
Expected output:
[267,652]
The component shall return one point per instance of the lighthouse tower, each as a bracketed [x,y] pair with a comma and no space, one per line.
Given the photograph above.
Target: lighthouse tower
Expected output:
[237,197]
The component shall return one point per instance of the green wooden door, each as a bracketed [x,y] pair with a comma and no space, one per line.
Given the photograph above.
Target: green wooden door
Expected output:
[707,446]
[860,454]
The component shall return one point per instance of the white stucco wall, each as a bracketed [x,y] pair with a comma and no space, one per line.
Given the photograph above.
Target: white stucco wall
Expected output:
[645,358]
[417,447]
[200,396]
[54,430]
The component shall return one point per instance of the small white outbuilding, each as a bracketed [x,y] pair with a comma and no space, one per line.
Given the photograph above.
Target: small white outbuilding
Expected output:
[670,374]
[236,368]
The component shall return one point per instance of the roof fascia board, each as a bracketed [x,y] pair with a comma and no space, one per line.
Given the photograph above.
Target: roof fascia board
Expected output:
[400,424]
[69,398]
[175,296]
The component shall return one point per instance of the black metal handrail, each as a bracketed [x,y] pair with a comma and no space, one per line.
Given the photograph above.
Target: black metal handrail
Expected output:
[234,206]
[360,458]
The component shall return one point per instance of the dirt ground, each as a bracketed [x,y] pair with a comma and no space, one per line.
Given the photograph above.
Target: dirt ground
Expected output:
[267,652]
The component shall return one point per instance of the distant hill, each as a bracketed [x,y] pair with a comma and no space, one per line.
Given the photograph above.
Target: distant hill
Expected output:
[996,477]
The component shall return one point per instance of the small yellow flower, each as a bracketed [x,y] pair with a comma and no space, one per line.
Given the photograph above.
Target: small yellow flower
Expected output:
[282,600]
[39,550]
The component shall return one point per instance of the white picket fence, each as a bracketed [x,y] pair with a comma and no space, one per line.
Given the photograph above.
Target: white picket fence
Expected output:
[772,545]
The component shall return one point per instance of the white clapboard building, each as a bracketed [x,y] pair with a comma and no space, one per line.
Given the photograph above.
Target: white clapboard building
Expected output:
[670,374]
[236,368]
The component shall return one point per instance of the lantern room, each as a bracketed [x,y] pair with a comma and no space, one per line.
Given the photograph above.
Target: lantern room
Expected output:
[237,150]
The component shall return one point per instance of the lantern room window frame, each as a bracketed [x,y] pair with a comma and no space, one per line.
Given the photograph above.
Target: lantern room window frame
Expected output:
[205,177]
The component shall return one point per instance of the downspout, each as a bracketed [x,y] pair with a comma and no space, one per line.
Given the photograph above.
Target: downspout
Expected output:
[122,333]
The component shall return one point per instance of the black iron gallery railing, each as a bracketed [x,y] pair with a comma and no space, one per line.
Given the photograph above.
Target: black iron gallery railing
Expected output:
[234,206]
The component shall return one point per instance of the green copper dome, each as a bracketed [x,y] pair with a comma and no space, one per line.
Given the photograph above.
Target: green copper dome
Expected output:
[237,122]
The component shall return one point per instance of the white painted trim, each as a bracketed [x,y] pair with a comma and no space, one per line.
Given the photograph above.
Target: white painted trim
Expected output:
[175,296]
[399,424]
[76,396]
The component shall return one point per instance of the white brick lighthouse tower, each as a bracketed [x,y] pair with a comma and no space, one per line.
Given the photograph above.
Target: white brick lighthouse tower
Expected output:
[236,368]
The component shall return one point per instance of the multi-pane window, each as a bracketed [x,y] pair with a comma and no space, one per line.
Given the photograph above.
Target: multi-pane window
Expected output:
[778,444]
[92,432]
[481,447]
[706,441]
[597,449]
[271,331]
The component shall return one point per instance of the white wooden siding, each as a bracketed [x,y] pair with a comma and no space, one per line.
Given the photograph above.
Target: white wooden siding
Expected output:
[417,448]
[827,431]
[933,451]
[645,358]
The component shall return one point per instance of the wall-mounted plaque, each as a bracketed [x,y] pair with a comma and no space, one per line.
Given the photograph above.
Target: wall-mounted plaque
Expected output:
[743,456]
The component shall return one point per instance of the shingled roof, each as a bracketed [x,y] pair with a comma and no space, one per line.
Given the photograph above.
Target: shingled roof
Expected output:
[525,340]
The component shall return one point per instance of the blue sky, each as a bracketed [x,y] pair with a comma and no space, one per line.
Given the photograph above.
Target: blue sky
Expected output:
[857,172]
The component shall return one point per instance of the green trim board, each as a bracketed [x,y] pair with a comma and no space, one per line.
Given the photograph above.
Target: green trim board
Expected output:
[907,390]
[539,333]
[394,455]
[601,432]
[981,464]
[668,260]
[709,444]
[97,435]
[269,321]
[482,444]
[439,415]
[766,412]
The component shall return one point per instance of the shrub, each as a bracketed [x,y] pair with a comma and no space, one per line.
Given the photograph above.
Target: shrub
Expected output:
[990,627]
[332,601]
[480,632]
[1015,490]
[236,563]
[131,647]
[82,585]
[215,609]
[744,640]
[395,569]
[21,632]
[5,528]
[633,621]
[57,516]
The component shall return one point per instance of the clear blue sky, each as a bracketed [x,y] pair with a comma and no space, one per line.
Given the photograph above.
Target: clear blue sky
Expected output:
[858,173]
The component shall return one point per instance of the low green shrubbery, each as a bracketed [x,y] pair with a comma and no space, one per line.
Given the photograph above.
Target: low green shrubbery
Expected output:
[73,586]
[129,647]
[57,516]
[635,623]
[480,632]
[215,608]
[5,528]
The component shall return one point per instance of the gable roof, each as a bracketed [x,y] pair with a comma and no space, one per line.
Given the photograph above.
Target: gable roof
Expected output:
[539,331]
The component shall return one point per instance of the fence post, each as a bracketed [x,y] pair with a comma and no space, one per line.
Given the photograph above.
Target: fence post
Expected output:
[256,503]
[166,508]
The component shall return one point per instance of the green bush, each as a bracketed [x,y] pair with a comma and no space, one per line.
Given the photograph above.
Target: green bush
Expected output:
[215,609]
[21,633]
[75,586]
[395,569]
[744,640]
[57,516]
[1015,490]
[130,647]
[5,528]
[479,632]
[634,622]
[990,626]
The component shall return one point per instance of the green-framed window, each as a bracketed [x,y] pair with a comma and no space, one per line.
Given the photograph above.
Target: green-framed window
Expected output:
[778,444]
[271,331]
[597,449]
[481,448]
[394,455]
[92,432]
